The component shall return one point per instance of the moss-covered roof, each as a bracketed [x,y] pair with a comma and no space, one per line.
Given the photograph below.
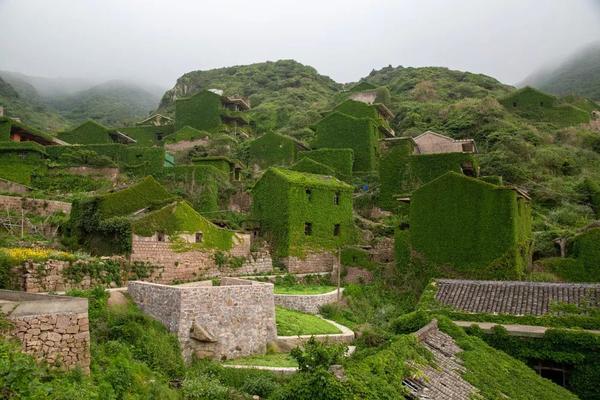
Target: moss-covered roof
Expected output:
[146,193]
[187,133]
[308,179]
[180,217]
[30,130]
[307,164]
[89,132]
[7,147]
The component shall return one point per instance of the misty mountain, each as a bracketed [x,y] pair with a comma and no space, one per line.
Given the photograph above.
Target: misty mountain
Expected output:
[579,74]
[46,87]
[111,103]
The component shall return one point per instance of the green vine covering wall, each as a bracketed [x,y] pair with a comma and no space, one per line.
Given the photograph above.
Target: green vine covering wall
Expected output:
[401,171]
[187,133]
[201,111]
[283,207]
[202,185]
[5,129]
[339,130]
[148,192]
[533,104]
[221,163]
[20,161]
[313,167]
[89,132]
[474,227]
[341,160]
[178,218]
[272,149]
[147,135]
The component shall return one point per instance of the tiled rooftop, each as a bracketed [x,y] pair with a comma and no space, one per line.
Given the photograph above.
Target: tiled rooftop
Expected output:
[516,298]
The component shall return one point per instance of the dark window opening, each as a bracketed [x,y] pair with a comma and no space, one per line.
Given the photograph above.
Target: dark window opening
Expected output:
[307,228]
[160,236]
[138,156]
[336,198]
[541,104]
[514,103]
[404,226]
[467,169]
[199,237]
[336,230]
[308,194]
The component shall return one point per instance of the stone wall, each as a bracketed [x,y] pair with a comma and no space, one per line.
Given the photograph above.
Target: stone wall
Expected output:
[185,145]
[310,303]
[12,187]
[36,206]
[110,173]
[232,320]
[195,264]
[48,276]
[312,263]
[50,328]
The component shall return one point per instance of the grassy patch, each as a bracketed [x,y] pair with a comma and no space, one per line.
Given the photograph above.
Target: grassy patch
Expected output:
[266,360]
[304,289]
[292,323]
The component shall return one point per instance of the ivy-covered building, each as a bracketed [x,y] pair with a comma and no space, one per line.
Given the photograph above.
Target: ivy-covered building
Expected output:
[339,130]
[340,160]
[274,149]
[230,167]
[91,132]
[302,213]
[20,161]
[472,227]
[404,166]
[210,110]
[15,131]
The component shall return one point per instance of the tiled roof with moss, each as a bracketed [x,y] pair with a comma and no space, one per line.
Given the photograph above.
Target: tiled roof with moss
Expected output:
[308,179]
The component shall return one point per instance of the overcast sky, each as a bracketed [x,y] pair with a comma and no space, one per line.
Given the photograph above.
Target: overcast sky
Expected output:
[159,40]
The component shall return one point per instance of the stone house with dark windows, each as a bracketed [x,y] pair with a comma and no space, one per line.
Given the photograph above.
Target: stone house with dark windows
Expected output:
[434,143]
[305,217]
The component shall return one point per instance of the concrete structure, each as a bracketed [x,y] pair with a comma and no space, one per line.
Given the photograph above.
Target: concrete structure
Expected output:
[309,303]
[41,207]
[443,379]
[287,343]
[54,329]
[434,143]
[232,320]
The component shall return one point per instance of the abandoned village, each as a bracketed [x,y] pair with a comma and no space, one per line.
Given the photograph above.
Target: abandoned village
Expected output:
[247,245]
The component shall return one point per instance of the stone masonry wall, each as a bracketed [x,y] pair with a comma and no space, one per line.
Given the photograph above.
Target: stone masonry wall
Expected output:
[233,320]
[38,206]
[312,263]
[309,303]
[12,187]
[196,264]
[109,173]
[50,328]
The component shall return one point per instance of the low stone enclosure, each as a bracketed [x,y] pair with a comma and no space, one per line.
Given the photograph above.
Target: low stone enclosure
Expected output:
[38,206]
[232,320]
[54,329]
[185,266]
[309,303]
[312,263]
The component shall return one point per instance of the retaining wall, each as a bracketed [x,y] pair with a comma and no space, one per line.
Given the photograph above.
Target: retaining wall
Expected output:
[50,328]
[232,320]
[309,303]
[37,206]
[312,263]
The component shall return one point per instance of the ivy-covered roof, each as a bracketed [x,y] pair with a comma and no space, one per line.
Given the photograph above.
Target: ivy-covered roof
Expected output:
[187,133]
[12,124]
[7,147]
[89,132]
[146,193]
[308,179]
[314,167]
[180,217]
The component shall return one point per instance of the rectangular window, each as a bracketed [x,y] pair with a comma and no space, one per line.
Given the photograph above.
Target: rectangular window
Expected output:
[308,194]
[160,236]
[336,198]
[336,230]
[308,228]
[199,237]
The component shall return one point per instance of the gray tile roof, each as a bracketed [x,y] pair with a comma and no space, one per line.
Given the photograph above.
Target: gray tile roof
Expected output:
[443,381]
[516,298]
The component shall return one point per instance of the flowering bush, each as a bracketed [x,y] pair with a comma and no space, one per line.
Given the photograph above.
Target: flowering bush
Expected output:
[18,255]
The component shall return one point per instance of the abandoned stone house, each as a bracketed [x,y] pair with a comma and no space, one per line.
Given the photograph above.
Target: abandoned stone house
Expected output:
[185,246]
[483,303]
[210,109]
[464,222]
[305,217]
[234,319]
[434,143]
[13,130]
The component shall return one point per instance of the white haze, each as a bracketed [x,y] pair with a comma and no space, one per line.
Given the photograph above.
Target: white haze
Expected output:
[156,41]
